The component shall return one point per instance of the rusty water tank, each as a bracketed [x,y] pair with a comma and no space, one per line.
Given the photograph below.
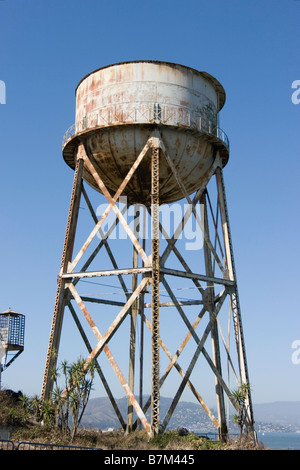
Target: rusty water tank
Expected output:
[119,106]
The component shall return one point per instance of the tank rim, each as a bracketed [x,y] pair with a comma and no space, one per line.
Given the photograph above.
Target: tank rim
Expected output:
[215,82]
[73,142]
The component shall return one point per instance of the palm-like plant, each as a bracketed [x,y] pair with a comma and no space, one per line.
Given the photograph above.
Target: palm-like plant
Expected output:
[240,397]
[35,405]
[73,398]
[47,412]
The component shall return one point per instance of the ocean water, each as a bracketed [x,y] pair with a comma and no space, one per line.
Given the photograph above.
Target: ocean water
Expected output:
[280,440]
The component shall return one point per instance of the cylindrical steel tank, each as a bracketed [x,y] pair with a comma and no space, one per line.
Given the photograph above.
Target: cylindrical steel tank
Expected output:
[119,106]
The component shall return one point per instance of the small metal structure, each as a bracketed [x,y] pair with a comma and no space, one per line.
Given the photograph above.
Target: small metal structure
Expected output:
[12,330]
[148,131]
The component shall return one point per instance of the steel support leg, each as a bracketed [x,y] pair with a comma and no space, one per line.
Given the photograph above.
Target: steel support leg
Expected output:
[133,316]
[235,303]
[209,304]
[60,300]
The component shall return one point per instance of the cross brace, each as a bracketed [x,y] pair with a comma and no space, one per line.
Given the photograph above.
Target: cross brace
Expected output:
[153,272]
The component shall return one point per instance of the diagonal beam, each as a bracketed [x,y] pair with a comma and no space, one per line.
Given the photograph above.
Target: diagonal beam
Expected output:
[186,216]
[184,343]
[174,362]
[219,377]
[99,246]
[179,256]
[181,388]
[213,315]
[200,347]
[107,247]
[98,368]
[192,208]
[116,323]
[171,241]
[92,356]
[215,223]
[112,205]
[84,310]
[228,354]
[186,378]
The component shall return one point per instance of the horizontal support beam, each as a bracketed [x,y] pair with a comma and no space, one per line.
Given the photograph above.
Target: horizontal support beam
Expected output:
[146,305]
[114,272]
[171,272]
[201,277]
[102,301]
[171,304]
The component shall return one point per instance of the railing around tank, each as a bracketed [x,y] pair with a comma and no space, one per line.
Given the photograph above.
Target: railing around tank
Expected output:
[222,136]
[149,114]
[69,134]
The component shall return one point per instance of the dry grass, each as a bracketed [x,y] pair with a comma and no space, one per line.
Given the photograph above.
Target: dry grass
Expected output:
[12,414]
[138,440]
[116,440]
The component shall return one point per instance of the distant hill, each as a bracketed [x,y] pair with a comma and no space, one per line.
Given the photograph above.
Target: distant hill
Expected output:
[280,412]
[100,414]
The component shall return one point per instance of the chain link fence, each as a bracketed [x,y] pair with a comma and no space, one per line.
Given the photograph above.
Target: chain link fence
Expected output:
[10,445]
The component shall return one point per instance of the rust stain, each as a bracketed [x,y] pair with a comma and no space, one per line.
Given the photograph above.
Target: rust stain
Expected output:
[116,111]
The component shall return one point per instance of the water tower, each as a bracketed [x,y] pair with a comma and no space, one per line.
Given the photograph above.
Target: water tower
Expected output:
[12,329]
[147,133]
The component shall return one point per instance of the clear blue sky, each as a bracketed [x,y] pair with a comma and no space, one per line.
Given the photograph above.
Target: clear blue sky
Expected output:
[252,47]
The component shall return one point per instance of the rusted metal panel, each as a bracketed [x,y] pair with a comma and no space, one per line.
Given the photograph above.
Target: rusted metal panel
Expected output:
[142,82]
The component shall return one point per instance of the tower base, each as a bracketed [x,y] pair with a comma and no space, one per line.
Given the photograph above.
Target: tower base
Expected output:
[174,266]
